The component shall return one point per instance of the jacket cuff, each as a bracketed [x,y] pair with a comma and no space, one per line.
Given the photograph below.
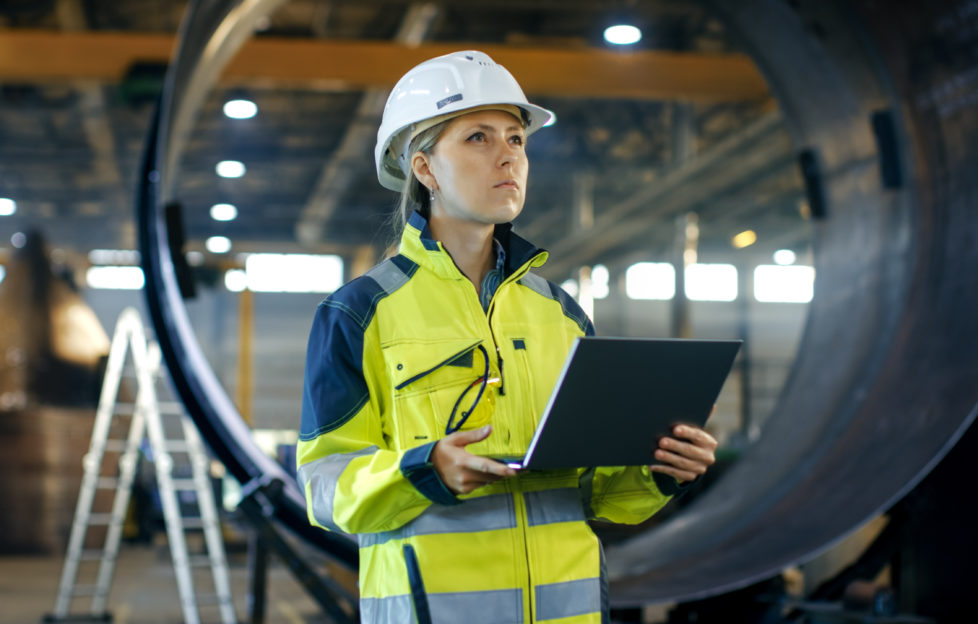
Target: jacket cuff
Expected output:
[417,468]
[668,484]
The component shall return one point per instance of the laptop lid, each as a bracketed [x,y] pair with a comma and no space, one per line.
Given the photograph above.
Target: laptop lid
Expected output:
[616,397]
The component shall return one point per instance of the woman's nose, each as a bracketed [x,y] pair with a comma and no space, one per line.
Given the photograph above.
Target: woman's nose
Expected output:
[508,155]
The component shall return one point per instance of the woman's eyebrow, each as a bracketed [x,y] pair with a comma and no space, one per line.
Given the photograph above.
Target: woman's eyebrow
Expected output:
[490,127]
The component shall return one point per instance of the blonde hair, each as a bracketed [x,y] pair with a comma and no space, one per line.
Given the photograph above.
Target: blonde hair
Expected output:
[414,195]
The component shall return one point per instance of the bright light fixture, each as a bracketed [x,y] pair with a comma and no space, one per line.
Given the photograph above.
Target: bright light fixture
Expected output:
[235,280]
[293,272]
[622,34]
[115,277]
[224,212]
[240,109]
[784,284]
[650,280]
[784,257]
[744,239]
[230,169]
[3,273]
[218,244]
[18,240]
[711,282]
[570,286]
[7,207]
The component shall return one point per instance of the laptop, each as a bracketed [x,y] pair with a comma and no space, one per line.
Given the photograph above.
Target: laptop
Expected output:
[616,397]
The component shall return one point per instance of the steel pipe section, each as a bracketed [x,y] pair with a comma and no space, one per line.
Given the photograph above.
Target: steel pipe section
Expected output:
[880,101]
[211,32]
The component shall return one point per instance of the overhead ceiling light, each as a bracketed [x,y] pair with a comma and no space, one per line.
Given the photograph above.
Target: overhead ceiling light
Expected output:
[744,239]
[7,207]
[230,169]
[622,34]
[224,212]
[18,240]
[240,109]
[784,257]
[218,244]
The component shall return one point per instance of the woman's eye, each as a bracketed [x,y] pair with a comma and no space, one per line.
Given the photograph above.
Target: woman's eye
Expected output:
[478,136]
[516,139]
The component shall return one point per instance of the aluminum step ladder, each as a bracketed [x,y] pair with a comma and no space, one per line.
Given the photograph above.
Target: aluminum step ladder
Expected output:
[148,418]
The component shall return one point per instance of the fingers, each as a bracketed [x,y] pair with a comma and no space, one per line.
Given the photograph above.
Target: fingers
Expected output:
[462,471]
[688,455]
[695,435]
[464,438]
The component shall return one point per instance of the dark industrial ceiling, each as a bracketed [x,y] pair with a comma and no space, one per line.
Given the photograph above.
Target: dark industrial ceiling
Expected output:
[70,146]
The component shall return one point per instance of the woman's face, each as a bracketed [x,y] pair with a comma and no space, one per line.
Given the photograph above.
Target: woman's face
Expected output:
[479,168]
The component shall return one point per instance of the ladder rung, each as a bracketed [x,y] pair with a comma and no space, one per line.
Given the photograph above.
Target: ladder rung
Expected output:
[179,446]
[107,483]
[172,408]
[184,484]
[92,555]
[115,445]
[99,519]
[193,523]
[210,599]
[199,561]
[86,590]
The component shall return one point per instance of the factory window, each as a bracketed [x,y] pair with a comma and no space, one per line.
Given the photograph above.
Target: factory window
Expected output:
[293,272]
[711,282]
[115,277]
[784,284]
[650,280]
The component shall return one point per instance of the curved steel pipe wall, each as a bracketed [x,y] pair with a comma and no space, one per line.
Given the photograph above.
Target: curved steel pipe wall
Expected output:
[885,379]
[209,35]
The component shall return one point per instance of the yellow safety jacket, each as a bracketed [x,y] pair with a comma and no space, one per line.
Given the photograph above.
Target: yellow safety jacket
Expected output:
[389,356]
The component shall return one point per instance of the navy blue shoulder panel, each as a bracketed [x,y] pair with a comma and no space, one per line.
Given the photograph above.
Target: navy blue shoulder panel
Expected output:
[571,309]
[334,387]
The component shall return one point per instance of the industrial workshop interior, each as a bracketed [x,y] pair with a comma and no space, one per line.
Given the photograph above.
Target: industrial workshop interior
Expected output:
[183,182]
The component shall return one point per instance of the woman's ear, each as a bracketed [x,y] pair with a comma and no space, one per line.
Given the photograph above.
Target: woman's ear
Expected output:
[421,165]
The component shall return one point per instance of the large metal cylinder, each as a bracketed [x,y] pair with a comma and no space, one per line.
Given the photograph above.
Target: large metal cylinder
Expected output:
[879,99]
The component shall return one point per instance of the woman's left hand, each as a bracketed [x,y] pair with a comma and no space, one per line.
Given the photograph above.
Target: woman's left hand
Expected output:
[686,455]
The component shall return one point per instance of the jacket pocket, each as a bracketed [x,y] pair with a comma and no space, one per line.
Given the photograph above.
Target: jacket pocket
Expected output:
[435,383]
[419,599]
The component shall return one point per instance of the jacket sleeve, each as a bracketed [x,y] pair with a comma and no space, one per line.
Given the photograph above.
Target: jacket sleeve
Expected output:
[353,480]
[626,495]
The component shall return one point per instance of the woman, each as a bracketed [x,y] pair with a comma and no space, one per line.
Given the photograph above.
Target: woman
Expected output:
[444,356]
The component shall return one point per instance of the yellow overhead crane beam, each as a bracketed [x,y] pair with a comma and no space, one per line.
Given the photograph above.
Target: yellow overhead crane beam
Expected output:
[35,56]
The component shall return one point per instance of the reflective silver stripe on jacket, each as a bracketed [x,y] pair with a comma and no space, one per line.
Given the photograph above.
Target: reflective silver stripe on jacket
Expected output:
[388,276]
[537,284]
[322,476]
[552,506]
[560,600]
[487,513]
[483,607]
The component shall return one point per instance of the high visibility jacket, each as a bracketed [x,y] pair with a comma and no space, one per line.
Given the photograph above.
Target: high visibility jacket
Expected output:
[389,355]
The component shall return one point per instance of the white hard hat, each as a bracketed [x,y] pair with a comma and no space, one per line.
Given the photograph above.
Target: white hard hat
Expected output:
[439,87]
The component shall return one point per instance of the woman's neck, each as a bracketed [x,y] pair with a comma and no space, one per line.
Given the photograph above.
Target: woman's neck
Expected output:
[469,244]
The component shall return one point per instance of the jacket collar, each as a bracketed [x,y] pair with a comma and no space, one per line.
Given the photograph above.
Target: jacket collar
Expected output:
[418,244]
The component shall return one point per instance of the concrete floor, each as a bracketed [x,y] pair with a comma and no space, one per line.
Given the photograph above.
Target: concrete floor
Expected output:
[144,590]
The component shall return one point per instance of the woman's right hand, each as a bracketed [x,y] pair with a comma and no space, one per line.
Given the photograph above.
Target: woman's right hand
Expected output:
[462,471]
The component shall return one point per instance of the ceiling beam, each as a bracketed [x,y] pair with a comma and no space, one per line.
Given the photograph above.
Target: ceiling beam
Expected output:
[45,56]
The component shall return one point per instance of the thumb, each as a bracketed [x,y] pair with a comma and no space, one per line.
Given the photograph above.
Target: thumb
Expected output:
[464,438]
